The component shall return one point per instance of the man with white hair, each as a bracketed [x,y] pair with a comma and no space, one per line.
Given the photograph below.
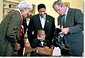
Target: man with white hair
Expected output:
[11,29]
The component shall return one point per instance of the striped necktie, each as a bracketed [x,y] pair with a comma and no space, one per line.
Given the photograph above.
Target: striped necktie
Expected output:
[63,20]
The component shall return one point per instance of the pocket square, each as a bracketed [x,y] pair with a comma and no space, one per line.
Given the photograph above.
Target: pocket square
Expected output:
[47,21]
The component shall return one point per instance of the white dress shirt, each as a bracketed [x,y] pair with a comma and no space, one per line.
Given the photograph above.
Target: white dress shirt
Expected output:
[42,19]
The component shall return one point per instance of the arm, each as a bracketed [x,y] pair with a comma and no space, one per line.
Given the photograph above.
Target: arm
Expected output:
[13,28]
[53,28]
[29,32]
[48,44]
[78,22]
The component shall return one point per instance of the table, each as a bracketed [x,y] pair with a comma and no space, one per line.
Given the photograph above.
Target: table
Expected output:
[40,50]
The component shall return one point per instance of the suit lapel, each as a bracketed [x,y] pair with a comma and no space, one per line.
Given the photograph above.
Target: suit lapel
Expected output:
[47,21]
[38,21]
[68,17]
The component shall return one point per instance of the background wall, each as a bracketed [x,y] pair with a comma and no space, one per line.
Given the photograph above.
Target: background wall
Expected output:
[1,9]
[73,3]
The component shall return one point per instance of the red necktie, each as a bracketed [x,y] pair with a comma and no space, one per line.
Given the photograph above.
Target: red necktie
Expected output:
[21,29]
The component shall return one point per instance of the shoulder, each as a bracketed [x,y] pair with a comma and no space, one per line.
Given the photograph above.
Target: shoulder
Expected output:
[34,16]
[14,13]
[49,16]
[75,10]
[46,40]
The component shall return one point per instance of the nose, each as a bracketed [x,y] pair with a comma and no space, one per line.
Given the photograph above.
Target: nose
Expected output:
[42,13]
[28,13]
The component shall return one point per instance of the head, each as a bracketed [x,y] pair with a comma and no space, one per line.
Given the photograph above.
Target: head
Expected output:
[41,33]
[42,10]
[25,8]
[59,7]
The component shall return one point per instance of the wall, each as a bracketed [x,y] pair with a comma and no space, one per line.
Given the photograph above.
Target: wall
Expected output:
[1,10]
[73,3]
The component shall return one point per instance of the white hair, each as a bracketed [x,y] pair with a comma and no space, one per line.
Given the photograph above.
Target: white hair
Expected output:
[24,5]
[58,2]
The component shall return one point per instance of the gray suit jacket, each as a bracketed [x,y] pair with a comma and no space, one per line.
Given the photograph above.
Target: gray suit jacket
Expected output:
[74,39]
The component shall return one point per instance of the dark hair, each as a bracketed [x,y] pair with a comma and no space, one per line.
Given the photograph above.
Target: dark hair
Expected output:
[58,2]
[41,6]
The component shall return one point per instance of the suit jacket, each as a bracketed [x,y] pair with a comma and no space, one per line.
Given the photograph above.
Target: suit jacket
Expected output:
[35,25]
[37,43]
[74,39]
[9,33]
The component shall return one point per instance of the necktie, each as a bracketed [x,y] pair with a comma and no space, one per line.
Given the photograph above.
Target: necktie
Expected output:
[42,43]
[63,20]
[21,29]
[43,22]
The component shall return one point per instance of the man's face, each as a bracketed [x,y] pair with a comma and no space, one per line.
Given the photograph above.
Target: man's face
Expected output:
[42,12]
[26,12]
[59,10]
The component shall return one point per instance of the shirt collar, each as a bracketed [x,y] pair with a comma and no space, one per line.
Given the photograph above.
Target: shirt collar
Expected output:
[66,11]
[18,10]
[43,17]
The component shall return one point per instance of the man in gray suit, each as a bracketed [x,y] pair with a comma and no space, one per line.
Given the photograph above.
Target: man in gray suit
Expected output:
[41,21]
[72,27]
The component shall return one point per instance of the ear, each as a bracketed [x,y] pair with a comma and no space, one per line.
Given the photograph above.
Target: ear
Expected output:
[37,35]
[62,5]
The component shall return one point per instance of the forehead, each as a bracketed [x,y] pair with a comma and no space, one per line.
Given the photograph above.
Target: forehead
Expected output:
[57,7]
[41,32]
[42,9]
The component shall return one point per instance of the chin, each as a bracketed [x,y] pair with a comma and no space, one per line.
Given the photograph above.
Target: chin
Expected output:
[24,17]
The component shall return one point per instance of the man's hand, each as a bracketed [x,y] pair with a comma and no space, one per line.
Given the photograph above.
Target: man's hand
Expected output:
[58,26]
[64,31]
[39,37]
[17,46]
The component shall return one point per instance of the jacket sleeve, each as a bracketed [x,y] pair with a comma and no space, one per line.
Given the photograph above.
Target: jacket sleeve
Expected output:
[48,43]
[78,21]
[53,28]
[30,29]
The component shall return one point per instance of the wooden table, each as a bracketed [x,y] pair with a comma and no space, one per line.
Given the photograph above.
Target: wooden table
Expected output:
[39,49]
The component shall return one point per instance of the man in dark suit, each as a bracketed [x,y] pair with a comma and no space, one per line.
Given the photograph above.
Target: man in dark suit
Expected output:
[72,27]
[41,21]
[11,29]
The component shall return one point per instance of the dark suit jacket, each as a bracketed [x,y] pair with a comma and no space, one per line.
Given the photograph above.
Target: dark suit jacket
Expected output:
[74,39]
[37,43]
[35,25]
[9,33]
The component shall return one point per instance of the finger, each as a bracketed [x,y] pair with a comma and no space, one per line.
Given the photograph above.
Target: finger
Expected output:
[60,32]
[58,26]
